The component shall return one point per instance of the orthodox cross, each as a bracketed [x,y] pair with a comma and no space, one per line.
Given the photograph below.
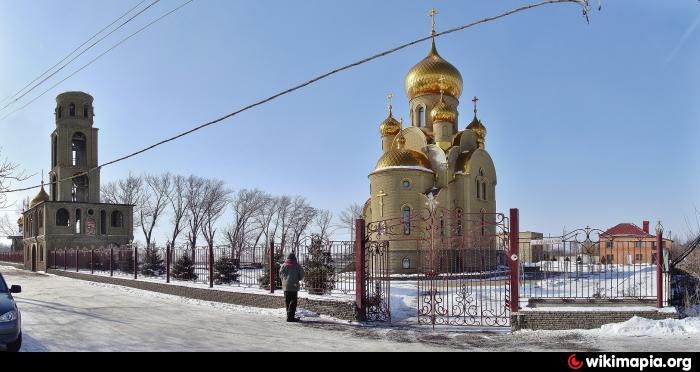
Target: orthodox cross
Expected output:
[381,196]
[391,98]
[475,100]
[432,14]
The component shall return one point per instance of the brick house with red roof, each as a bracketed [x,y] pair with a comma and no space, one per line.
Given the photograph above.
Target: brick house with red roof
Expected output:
[628,244]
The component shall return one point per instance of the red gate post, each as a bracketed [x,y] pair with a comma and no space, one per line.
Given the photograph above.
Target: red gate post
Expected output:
[167,263]
[659,266]
[360,305]
[514,238]
[92,261]
[211,266]
[136,262]
[111,257]
[273,279]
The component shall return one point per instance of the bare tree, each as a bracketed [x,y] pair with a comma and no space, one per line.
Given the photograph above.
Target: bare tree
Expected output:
[216,198]
[124,191]
[246,205]
[8,173]
[7,227]
[152,204]
[283,219]
[177,197]
[264,219]
[195,192]
[324,224]
[348,217]
[301,216]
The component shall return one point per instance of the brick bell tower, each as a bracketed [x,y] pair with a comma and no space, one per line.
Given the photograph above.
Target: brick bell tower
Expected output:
[74,150]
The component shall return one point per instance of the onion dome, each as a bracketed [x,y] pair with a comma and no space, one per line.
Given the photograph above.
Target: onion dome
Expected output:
[432,75]
[20,221]
[41,197]
[390,126]
[443,112]
[479,130]
[403,158]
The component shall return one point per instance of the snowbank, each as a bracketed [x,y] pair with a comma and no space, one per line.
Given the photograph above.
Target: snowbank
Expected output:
[637,327]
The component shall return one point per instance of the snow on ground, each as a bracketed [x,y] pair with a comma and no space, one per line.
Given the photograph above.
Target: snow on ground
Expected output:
[62,314]
[639,327]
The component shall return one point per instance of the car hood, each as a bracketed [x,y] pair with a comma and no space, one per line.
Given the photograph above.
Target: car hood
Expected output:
[6,303]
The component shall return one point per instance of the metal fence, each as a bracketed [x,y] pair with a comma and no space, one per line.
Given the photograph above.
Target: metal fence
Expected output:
[584,265]
[12,257]
[329,266]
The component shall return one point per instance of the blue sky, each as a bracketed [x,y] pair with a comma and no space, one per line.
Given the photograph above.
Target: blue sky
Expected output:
[589,124]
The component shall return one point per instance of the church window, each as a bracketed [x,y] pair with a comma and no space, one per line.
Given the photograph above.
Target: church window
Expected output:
[478,190]
[62,217]
[71,110]
[85,111]
[117,219]
[54,151]
[406,184]
[103,222]
[41,218]
[406,263]
[407,220]
[483,191]
[421,117]
[78,220]
[78,149]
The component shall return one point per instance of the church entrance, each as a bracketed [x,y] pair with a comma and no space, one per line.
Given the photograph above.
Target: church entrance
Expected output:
[440,268]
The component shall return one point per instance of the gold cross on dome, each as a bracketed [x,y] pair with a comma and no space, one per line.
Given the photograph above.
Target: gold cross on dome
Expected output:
[391,99]
[475,100]
[432,14]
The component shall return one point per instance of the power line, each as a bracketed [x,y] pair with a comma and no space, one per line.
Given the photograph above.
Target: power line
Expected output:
[582,3]
[96,58]
[13,101]
[71,53]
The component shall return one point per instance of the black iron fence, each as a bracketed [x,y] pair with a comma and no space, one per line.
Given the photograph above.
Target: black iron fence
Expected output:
[329,266]
[586,265]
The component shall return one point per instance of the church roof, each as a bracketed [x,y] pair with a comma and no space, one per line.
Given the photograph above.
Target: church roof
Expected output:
[403,158]
[41,197]
[432,75]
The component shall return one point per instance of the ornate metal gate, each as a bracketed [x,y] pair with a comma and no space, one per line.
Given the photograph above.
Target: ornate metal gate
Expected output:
[460,267]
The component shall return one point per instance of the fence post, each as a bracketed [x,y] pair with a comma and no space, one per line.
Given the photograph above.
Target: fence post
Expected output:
[514,238]
[211,266]
[92,261]
[77,261]
[65,259]
[360,305]
[167,263]
[659,267]
[55,263]
[136,262]
[111,258]
[273,278]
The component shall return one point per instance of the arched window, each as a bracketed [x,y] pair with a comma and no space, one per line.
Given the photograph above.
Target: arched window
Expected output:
[117,219]
[407,220]
[71,110]
[478,190]
[78,221]
[78,149]
[421,117]
[103,222]
[85,111]
[483,190]
[54,151]
[406,263]
[79,189]
[41,218]
[62,217]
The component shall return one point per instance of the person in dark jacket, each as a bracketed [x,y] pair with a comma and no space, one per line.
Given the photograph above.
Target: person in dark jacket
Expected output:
[291,274]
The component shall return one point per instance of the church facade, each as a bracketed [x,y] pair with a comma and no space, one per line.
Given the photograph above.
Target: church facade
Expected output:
[71,215]
[433,163]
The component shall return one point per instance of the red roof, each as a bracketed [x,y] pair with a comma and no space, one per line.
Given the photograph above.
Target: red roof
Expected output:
[627,229]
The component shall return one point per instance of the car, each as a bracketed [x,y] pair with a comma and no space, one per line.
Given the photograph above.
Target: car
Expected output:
[10,317]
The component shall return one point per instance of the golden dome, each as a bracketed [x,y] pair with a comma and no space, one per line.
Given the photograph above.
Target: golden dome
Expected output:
[402,157]
[479,130]
[390,126]
[443,112]
[41,197]
[20,221]
[432,75]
